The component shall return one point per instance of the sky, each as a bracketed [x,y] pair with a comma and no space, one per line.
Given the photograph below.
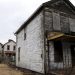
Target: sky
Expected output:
[13,13]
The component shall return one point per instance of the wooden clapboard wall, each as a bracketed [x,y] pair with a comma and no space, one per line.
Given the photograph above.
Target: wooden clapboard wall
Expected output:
[55,21]
[72,24]
[48,21]
[59,16]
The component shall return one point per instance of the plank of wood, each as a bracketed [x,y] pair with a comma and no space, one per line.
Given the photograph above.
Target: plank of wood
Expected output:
[54,35]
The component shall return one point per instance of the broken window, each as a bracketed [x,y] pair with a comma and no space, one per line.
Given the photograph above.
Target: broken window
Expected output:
[58,53]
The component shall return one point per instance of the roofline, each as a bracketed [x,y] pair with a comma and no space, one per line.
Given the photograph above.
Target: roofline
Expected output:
[66,1]
[71,5]
[1,44]
[39,10]
[8,42]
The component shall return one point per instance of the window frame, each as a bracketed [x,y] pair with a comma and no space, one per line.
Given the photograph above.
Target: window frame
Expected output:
[8,47]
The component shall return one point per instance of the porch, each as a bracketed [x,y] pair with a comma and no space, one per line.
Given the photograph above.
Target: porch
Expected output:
[61,53]
[9,56]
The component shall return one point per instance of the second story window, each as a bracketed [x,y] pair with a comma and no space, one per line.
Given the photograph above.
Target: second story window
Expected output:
[14,47]
[8,47]
[18,54]
[24,36]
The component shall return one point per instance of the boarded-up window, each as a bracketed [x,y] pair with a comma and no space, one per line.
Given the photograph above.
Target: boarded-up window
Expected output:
[72,24]
[18,54]
[56,22]
[58,53]
[48,21]
[64,24]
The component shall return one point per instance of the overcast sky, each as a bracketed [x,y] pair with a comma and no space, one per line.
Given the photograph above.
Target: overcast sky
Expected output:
[13,13]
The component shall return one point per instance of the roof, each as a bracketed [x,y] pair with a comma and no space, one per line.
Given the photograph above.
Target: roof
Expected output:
[1,44]
[9,41]
[40,9]
[66,1]
[30,19]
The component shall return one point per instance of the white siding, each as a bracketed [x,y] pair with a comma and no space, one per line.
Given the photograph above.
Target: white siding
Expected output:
[11,43]
[32,47]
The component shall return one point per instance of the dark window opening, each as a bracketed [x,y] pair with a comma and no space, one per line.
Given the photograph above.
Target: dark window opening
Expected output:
[19,54]
[14,47]
[73,54]
[24,36]
[58,53]
[8,47]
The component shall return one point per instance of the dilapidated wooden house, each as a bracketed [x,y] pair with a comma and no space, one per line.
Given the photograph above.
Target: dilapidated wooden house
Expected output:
[9,51]
[46,41]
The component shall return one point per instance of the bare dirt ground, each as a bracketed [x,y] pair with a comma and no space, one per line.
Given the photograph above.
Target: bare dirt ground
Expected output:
[6,70]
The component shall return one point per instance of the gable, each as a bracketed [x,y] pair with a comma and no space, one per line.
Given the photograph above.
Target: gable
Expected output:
[61,5]
[10,42]
[59,16]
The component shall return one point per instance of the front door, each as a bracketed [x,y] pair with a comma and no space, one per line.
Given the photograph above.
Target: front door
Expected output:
[73,54]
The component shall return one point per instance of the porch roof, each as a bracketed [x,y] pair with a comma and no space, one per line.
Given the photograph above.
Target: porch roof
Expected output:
[60,36]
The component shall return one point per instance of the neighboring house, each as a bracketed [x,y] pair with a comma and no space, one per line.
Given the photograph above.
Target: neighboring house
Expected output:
[46,41]
[10,50]
[1,49]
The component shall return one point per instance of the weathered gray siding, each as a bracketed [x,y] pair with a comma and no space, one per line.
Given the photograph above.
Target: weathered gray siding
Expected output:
[48,21]
[64,22]
[53,65]
[32,48]
[67,54]
[67,59]
[72,24]
[58,21]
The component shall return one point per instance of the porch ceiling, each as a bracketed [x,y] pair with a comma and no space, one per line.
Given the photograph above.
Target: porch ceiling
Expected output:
[60,36]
